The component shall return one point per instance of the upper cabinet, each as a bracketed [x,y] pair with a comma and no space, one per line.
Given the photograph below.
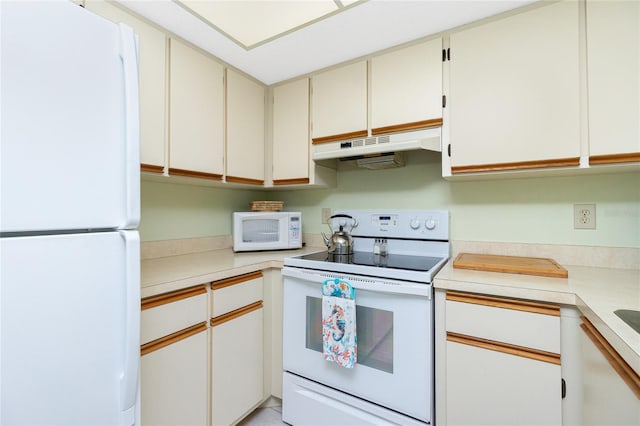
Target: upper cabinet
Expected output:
[406,88]
[152,82]
[514,93]
[613,71]
[196,108]
[291,132]
[245,129]
[339,103]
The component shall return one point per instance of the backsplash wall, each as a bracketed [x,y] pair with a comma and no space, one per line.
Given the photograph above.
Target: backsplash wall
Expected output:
[531,210]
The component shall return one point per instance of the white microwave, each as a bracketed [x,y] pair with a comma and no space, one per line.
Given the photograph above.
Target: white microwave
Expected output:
[253,231]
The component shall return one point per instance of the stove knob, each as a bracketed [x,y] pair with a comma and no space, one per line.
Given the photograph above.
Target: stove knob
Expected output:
[430,223]
[414,224]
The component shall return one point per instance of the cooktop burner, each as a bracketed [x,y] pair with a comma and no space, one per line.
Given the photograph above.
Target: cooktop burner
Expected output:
[393,261]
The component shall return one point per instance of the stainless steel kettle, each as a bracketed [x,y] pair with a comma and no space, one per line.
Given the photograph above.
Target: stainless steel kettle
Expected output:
[340,242]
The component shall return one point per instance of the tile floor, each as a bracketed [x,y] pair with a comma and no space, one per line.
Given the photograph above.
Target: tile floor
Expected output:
[268,416]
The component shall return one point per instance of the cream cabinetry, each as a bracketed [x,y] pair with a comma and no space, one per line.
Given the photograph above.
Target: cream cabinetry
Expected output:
[611,389]
[196,108]
[175,358]
[339,103]
[237,344]
[502,361]
[514,92]
[291,133]
[152,65]
[406,88]
[245,129]
[613,72]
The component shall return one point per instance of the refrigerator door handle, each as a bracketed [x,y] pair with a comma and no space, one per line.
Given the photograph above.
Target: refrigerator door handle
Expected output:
[129,55]
[129,378]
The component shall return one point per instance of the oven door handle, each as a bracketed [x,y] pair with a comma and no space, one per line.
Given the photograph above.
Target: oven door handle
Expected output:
[362,283]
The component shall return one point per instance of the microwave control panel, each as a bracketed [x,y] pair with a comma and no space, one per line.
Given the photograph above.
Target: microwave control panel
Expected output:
[295,232]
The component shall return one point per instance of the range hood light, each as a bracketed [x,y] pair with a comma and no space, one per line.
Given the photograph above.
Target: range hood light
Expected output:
[383,161]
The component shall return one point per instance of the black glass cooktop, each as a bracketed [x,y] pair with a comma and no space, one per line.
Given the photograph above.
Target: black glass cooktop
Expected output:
[393,261]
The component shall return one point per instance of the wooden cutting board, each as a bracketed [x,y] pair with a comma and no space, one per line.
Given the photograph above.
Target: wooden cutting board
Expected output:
[510,264]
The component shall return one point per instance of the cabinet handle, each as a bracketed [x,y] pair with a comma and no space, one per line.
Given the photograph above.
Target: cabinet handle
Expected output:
[174,296]
[235,314]
[160,343]
[217,285]
[550,357]
[500,302]
[623,369]
[563,384]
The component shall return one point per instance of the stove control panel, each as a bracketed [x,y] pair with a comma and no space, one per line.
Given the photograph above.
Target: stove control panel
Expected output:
[411,224]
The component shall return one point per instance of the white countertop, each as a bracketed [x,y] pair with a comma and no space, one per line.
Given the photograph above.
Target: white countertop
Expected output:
[596,292]
[163,274]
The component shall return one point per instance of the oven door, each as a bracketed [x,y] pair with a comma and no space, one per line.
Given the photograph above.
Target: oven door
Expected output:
[394,327]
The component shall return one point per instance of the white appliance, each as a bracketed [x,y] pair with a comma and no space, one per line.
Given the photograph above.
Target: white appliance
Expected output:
[255,231]
[429,139]
[393,379]
[69,209]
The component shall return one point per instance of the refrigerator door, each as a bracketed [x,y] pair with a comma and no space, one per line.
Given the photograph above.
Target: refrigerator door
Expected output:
[69,327]
[69,120]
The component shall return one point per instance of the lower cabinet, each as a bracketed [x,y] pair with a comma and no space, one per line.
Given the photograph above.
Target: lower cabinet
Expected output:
[502,361]
[611,389]
[237,347]
[175,358]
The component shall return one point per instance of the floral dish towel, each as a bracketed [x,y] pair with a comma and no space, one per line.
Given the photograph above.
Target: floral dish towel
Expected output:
[339,340]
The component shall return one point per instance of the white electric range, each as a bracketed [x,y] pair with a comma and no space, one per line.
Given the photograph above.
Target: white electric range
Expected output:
[392,381]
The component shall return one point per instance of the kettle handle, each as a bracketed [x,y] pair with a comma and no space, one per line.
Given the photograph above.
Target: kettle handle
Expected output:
[354,221]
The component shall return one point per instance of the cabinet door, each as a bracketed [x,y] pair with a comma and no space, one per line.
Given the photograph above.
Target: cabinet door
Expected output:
[406,88]
[291,132]
[339,103]
[514,92]
[488,387]
[174,383]
[611,389]
[613,55]
[237,375]
[153,83]
[245,129]
[196,138]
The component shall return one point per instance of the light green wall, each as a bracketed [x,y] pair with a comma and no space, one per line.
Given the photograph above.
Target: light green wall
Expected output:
[532,210]
[170,211]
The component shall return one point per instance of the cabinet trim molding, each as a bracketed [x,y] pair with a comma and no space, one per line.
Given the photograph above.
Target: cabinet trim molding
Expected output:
[195,174]
[174,296]
[151,168]
[506,348]
[340,137]
[500,302]
[405,127]
[172,338]
[236,179]
[519,165]
[217,285]
[236,313]
[623,369]
[632,157]
[292,181]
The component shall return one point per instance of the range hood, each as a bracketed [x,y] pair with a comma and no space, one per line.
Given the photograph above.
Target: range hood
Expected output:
[429,139]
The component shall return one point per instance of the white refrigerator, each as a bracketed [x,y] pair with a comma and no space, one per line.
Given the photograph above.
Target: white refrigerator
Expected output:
[69,209]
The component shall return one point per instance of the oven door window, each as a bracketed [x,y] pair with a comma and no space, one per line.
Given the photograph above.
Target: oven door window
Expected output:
[374,328]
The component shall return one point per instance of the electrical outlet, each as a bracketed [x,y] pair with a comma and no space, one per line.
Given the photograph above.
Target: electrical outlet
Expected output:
[326,214]
[584,216]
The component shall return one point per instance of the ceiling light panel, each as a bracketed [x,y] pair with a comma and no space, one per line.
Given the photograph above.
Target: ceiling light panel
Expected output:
[252,23]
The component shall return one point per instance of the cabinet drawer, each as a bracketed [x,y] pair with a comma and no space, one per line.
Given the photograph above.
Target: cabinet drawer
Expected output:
[170,312]
[515,322]
[235,292]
